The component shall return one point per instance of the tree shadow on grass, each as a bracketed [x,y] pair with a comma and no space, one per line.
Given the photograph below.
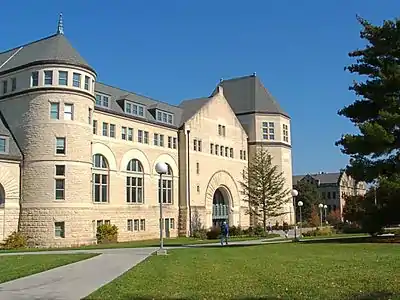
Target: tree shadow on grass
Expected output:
[354,240]
[224,246]
[379,295]
[186,298]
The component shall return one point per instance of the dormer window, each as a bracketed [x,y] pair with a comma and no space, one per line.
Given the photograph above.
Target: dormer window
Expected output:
[164,117]
[134,109]
[102,100]
[3,144]
[62,77]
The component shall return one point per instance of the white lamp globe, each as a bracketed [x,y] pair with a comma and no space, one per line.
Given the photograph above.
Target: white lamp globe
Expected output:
[320,205]
[161,168]
[325,206]
[294,193]
[300,203]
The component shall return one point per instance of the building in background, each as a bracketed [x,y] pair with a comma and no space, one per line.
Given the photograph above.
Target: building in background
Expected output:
[333,187]
[76,153]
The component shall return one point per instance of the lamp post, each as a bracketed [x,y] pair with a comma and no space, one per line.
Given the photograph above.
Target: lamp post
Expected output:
[300,204]
[161,168]
[295,193]
[320,211]
[325,208]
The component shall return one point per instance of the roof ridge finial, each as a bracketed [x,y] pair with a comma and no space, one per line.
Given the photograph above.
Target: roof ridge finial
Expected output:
[60,27]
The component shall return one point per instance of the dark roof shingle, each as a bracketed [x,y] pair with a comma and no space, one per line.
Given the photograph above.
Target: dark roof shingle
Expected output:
[13,149]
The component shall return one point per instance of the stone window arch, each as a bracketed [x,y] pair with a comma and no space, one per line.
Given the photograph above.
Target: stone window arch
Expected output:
[134,182]
[2,195]
[165,190]
[100,179]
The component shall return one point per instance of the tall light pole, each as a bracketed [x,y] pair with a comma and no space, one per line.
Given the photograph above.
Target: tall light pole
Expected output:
[300,204]
[325,208]
[295,193]
[320,212]
[161,169]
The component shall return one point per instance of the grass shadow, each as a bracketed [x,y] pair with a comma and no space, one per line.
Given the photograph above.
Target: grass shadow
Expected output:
[375,296]
[224,246]
[133,297]
[353,240]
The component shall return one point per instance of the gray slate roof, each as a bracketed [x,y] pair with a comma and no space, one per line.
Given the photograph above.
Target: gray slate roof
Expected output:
[248,94]
[116,106]
[324,178]
[53,48]
[13,151]
[191,107]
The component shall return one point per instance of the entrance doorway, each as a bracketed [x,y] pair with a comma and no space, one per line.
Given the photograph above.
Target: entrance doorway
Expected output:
[220,210]
[167,226]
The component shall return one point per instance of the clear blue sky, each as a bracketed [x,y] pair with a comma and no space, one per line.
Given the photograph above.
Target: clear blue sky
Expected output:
[175,50]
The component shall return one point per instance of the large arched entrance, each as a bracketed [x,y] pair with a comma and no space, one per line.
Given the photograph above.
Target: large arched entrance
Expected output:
[220,210]
[2,195]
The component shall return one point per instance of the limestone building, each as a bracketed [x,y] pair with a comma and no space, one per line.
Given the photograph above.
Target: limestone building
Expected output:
[76,153]
[333,187]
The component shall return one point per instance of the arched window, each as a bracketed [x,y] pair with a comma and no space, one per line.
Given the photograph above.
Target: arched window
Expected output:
[100,178]
[134,182]
[2,195]
[165,191]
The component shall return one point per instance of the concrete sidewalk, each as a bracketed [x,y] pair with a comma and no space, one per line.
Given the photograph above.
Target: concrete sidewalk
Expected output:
[73,281]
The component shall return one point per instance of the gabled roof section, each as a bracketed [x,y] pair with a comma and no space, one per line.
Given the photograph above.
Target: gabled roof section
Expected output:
[118,96]
[53,49]
[323,178]
[14,152]
[191,107]
[248,95]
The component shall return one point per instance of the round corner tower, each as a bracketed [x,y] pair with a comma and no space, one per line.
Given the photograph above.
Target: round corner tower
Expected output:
[50,114]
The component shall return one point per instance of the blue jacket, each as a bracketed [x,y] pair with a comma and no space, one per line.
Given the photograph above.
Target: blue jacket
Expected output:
[225,229]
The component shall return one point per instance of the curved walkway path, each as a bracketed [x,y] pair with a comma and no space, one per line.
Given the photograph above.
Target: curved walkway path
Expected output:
[77,280]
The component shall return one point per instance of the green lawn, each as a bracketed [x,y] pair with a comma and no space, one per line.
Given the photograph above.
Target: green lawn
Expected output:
[16,266]
[277,271]
[145,243]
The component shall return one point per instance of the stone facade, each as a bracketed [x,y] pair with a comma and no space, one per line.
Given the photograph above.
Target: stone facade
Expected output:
[88,153]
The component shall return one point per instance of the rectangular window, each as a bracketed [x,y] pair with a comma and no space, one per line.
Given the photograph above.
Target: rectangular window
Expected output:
[128,108]
[170,142]
[329,195]
[94,126]
[333,195]
[244,154]
[5,86]
[155,139]
[59,229]
[54,111]
[165,192]
[68,111]
[60,189]
[107,222]
[130,134]
[197,168]
[231,152]
[199,145]
[48,77]
[211,148]
[60,170]
[105,101]
[62,77]
[195,145]
[35,78]
[161,140]
[216,149]
[223,131]
[90,116]
[112,130]
[13,84]
[241,154]
[123,133]
[164,117]
[174,142]
[136,224]
[268,130]
[98,99]
[129,225]
[76,80]
[60,145]
[87,83]
[285,133]
[3,145]
[100,188]
[146,137]
[221,151]
[142,224]
[226,151]
[140,136]
[99,223]
[105,129]
[219,129]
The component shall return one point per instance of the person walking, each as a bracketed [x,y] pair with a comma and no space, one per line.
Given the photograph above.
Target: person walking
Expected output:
[224,233]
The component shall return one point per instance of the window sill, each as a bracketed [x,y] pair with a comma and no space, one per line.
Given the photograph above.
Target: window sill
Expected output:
[100,203]
[133,203]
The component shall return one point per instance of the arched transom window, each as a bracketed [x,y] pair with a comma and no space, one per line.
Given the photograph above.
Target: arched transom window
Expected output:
[101,176]
[165,190]
[134,182]
[2,195]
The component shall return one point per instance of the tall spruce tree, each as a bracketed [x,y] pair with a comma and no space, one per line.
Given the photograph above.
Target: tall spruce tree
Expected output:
[263,187]
[374,151]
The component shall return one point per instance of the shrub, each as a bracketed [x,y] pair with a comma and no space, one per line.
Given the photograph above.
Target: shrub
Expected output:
[200,234]
[334,217]
[107,233]
[15,240]
[235,231]
[214,233]
[324,231]
[348,228]
[259,231]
